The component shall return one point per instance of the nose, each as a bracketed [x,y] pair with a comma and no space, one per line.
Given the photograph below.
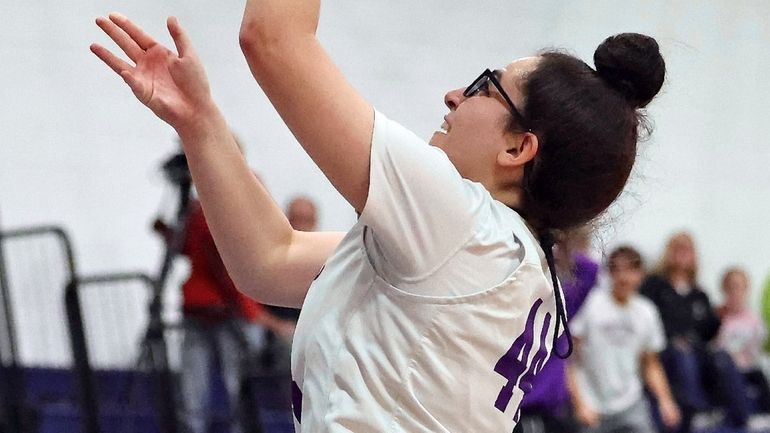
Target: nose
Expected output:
[454,98]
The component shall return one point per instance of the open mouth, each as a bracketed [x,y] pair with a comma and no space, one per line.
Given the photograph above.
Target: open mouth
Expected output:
[444,128]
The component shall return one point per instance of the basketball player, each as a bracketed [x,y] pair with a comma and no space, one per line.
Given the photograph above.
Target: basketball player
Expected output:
[436,310]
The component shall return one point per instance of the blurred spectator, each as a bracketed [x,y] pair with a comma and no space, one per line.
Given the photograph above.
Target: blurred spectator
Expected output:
[302,215]
[546,408]
[690,324]
[742,335]
[218,322]
[618,335]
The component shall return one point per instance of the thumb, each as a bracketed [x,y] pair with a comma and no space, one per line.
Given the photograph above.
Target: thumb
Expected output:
[136,86]
[188,74]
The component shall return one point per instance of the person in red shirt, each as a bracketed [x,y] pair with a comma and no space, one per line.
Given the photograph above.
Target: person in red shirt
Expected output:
[221,325]
[209,293]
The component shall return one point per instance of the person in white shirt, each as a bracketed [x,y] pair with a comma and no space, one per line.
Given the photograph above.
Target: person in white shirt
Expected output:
[618,335]
[436,310]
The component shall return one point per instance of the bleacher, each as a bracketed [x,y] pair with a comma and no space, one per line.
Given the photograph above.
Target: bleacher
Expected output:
[40,353]
[125,403]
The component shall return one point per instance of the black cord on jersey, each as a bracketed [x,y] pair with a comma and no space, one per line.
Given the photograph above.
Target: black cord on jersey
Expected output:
[546,242]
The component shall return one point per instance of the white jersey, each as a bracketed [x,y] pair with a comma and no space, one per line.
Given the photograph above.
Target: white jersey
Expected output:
[433,314]
[612,340]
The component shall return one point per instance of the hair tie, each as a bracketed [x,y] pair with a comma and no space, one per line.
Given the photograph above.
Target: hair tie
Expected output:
[547,241]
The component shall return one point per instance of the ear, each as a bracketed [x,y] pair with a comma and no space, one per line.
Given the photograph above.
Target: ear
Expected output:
[522,149]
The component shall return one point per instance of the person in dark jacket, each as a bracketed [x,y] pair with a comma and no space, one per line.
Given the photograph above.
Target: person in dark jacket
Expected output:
[699,375]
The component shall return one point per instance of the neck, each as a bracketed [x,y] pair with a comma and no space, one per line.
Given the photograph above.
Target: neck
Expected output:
[622,300]
[734,308]
[680,277]
[509,195]
[505,186]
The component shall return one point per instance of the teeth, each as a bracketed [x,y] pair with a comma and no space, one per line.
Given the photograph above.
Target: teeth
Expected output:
[444,128]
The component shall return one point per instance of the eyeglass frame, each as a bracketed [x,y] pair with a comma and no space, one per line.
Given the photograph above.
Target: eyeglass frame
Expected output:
[486,77]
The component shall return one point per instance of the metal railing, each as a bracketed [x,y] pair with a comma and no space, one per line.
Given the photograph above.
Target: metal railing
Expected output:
[148,337]
[36,283]
[104,321]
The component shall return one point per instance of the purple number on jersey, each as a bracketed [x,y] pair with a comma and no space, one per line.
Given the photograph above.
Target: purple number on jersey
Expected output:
[514,365]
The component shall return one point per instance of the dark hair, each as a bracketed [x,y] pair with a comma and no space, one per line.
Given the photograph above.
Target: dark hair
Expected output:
[628,253]
[587,122]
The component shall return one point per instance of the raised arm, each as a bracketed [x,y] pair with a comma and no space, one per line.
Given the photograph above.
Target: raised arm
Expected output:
[329,118]
[265,257]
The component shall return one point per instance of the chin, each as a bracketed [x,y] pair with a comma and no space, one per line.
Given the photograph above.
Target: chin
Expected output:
[435,139]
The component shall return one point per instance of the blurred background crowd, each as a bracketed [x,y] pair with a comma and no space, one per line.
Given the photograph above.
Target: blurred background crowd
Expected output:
[653,352]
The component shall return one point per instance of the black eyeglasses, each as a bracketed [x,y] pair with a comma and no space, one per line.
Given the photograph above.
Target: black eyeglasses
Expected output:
[481,84]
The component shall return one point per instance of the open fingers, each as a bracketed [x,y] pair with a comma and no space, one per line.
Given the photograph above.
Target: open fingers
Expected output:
[114,62]
[124,41]
[142,38]
[181,40]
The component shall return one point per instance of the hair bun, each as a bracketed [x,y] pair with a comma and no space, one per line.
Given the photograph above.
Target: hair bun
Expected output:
[631,63]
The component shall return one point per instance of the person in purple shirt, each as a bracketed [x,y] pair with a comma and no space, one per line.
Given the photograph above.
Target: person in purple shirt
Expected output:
[546,407]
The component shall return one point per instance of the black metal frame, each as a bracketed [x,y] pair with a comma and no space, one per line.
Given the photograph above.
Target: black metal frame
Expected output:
[12,388]
[481,83]
[13,393]
[154,349]
[15,397]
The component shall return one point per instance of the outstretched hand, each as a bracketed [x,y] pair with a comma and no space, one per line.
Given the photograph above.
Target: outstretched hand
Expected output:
[173,85]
